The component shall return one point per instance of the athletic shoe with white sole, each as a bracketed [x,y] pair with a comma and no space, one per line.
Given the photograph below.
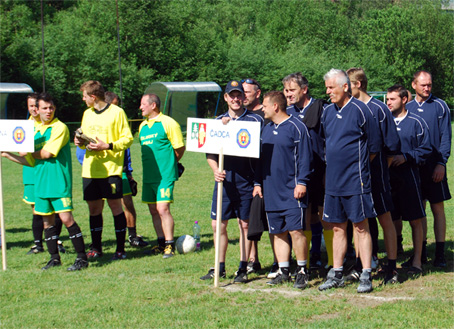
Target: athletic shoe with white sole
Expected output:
[241,276]
[274,271]
[279,278]
[35,250]
[353,276]
[52,263]
[78,265]
[210,275]
[331,281]
[301,280]
[253,267]
[365,283]
[168,252]
[391,277]
[137,241]
[119,255]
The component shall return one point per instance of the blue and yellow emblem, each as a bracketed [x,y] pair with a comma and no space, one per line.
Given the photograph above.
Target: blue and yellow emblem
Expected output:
[243,138]
[18,135]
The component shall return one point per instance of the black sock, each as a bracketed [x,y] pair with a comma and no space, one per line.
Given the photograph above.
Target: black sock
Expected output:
[243,266]
[120,231]
[221,267]
[51,237]
[439,249]
[424,251]
[392,264]
[132,232]
[96,232]
[358,265]
[37,229]
[373,228]
[58,224]
[161,242]
[75,235]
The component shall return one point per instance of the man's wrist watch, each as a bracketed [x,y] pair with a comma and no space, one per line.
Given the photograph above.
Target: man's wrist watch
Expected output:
[110,146]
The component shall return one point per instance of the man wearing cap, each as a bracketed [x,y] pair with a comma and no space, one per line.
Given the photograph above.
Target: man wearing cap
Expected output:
[238,184]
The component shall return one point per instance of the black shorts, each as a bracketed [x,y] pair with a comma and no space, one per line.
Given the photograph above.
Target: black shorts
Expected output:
[102,188]
[382,202]
[434,192]
[316,187]
[406,193]
[232,209]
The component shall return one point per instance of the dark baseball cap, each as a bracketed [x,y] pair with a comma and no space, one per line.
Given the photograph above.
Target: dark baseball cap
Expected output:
[234,85]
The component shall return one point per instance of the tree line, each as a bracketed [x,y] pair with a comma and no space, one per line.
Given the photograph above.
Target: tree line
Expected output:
[220,40]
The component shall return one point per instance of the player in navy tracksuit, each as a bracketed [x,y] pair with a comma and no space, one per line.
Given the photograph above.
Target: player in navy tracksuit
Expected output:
[238,185]
[433,173]
[309,111]
[283,171]
[405,179]
[381,189]
[351,138]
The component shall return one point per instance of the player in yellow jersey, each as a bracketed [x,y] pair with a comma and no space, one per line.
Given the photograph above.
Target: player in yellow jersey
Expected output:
[103,164]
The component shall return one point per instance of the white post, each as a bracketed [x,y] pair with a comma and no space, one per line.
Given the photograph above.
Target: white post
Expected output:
[2,220]
[218,221]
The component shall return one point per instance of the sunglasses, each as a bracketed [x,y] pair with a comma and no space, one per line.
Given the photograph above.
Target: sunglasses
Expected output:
[251,82]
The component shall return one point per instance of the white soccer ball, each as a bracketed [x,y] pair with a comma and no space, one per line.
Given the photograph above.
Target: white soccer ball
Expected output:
[185,244]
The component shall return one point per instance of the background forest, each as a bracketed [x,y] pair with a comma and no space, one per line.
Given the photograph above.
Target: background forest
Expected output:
[220,40]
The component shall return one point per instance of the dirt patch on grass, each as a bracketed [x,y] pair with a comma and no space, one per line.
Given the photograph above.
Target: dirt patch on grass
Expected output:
[406,291]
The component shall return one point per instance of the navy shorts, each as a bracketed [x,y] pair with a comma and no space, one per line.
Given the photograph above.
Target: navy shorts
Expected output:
[356,208]
[434,192]
[232,209]
[406,193]
[286,220]
[383,202]
[103,188]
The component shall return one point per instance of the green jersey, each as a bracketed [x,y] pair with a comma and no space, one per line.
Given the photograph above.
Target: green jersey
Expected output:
[53,176]
[159,137]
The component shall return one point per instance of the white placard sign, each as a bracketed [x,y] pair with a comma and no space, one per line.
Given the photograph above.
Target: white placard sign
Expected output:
[238,138]
[17,135]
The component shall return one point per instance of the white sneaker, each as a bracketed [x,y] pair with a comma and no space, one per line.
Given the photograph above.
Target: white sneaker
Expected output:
[274,271]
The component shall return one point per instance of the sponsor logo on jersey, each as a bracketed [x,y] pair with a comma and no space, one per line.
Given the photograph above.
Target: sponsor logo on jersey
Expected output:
[275,132]
[18,135]
[243,138]
[420,110]
[339,116]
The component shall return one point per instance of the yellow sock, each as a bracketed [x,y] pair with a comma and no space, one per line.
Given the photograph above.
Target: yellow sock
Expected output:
[328,235]
[308,235]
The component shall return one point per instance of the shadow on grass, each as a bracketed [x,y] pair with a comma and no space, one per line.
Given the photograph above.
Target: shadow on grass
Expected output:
[17,230]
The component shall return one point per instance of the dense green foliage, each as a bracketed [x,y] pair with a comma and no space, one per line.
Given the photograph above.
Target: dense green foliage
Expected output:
[218,40]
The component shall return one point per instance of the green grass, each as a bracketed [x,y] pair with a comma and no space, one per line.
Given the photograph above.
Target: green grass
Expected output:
[147,291]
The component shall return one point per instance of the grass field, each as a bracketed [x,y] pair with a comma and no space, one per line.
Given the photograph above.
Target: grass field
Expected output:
[149,292]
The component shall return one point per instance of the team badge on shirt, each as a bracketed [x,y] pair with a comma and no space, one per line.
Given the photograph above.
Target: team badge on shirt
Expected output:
[243,138]
[18,135]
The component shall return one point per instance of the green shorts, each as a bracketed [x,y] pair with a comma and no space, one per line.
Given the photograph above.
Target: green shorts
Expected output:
[29,194]
[49,206]
[157,192]
[126,186]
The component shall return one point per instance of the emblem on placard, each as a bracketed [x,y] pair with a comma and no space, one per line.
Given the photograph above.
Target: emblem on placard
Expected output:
[202,134]
[18,135]
[243,138]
